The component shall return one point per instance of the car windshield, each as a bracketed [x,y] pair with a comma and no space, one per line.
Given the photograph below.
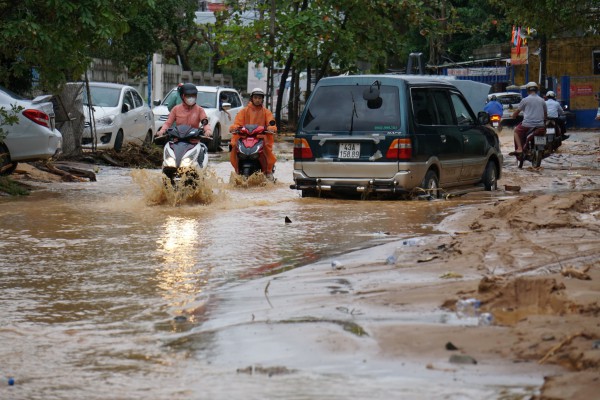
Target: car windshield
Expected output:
[343,109]
[103,96]
[204,99]
[510,99]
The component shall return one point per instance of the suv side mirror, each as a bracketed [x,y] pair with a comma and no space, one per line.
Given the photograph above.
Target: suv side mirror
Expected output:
[156,102]
[125,108]
[483,117]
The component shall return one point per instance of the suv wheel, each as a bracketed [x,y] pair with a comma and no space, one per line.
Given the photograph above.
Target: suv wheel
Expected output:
[431,184]
[490,175]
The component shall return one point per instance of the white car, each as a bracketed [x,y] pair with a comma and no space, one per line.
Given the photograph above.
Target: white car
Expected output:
[219,118]
[119,114]
[34,135]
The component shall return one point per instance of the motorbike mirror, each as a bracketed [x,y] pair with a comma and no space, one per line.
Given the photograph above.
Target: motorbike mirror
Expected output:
[204,121]
[272,122]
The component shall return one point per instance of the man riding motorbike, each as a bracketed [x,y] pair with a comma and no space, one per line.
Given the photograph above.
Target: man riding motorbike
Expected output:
[535,113]
[187,112]
[556,113]
[493,107]
[254,113]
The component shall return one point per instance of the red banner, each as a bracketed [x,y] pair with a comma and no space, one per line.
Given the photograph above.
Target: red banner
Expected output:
[581,90]
[521,58]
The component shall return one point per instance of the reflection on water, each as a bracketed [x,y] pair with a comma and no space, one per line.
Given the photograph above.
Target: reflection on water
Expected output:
[92,275]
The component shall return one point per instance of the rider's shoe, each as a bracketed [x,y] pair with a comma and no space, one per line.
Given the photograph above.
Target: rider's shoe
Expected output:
[565,137]
[270,177]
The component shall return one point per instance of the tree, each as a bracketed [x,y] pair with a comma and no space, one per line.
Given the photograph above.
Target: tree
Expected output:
[552,17]
[54,39]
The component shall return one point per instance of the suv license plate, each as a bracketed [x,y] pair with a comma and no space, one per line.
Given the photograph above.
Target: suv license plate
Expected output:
[539,139]
[349,150]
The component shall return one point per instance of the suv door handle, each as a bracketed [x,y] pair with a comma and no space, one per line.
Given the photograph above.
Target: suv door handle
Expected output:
[465,139]
[443,138]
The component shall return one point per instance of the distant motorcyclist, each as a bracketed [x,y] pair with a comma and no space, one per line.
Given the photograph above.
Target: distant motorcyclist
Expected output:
[535,114]
[493,107]
[188,112]
[556,112]
[254,113]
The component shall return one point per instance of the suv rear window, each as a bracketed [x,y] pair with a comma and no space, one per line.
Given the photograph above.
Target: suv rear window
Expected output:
[342,109]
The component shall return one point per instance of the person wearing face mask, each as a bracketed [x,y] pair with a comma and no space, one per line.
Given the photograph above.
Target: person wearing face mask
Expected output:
[188,112]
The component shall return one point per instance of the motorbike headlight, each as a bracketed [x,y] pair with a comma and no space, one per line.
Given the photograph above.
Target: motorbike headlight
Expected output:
[190,159]
[168,159]
[106,120]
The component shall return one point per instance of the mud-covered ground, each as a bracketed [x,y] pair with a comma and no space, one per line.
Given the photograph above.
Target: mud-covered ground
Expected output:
[531,256]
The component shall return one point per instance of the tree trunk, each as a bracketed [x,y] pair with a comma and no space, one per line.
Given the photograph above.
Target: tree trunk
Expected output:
[284,75]
[543,61]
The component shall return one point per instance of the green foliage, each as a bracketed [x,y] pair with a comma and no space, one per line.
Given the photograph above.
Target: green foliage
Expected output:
[56,37]
[7,118]
[11,187]
[550,17]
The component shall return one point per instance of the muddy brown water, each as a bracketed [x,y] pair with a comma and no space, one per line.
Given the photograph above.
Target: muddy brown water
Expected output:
[94,276]
[98,281]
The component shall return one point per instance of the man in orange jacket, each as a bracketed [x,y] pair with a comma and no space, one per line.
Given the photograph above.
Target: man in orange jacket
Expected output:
[254,113]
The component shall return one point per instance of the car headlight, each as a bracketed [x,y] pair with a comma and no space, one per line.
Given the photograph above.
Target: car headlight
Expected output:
[106,120]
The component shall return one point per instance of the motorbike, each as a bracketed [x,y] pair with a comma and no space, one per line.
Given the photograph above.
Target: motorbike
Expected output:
[250,149]
[185,153]
[495,120]
[540,143]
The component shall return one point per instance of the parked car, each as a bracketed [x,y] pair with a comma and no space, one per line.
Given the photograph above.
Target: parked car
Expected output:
[34,136]
[509,101]
[119,116]
[401,135]
[220,117]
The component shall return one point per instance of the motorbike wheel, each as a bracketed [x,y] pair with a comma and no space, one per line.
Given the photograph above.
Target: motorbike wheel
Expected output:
[520,160]
[213,146]
[246,172]
[537,158]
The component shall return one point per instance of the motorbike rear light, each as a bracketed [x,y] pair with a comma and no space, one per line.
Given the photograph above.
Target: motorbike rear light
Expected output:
[302,150]
[495,118]
[37,116]
[400,149]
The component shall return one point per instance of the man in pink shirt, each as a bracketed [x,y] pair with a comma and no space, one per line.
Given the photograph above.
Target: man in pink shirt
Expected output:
[188,112]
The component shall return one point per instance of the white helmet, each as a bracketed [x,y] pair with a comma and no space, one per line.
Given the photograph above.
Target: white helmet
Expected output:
[531,86]
[257,91]
[550,93]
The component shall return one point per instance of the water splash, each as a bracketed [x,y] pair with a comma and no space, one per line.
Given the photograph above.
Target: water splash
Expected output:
[254,180]
[205,188]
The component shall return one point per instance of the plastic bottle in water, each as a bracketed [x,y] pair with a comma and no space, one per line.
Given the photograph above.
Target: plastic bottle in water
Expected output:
[467,308]
[486,319]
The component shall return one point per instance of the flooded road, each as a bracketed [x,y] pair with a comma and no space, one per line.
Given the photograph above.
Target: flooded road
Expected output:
[98,282]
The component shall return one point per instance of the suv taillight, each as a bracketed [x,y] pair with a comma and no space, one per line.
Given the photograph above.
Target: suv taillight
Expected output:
[37,116]
[302,150]
[400,149]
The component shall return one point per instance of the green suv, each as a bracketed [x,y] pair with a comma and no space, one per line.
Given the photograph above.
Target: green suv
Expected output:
[400,135]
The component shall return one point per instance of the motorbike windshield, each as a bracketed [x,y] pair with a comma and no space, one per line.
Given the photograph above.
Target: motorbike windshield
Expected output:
[343,109]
